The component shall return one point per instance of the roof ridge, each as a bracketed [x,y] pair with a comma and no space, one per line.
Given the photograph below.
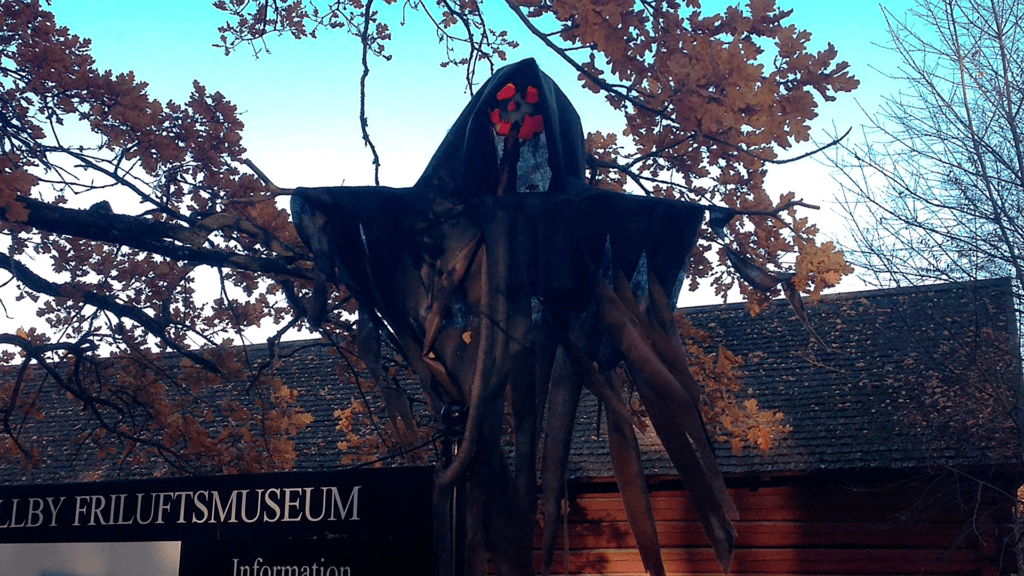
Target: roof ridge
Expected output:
[1000,282]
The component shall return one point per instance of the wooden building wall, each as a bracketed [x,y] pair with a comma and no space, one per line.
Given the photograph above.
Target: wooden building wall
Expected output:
[789,530]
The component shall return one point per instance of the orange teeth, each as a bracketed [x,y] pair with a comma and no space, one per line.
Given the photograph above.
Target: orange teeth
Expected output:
[495,116]
[507,92]
[532,96]
[532,125]
[503,128]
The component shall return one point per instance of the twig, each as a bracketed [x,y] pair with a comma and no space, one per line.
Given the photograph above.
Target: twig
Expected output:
[274,189]
[367,16]
[778,209]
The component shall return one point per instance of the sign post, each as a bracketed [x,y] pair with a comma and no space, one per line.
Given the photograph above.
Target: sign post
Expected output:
[343,523]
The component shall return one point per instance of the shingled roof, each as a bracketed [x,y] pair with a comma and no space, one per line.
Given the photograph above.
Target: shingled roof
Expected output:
[904,384]
[907,382]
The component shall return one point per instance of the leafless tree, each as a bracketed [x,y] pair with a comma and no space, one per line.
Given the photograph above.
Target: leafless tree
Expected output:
[934,189]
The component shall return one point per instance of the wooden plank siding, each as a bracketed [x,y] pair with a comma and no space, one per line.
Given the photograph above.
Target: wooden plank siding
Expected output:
[791,530]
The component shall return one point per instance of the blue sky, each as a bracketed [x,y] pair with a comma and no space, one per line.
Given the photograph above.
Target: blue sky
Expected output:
[300,103]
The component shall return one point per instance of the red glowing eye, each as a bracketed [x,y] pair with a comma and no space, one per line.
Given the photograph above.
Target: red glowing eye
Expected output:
[507,92]
[512,106]
[532,125]
[495,116]
[532,96]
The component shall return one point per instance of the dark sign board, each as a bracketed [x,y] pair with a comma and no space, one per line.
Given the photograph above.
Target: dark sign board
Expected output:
[390,508]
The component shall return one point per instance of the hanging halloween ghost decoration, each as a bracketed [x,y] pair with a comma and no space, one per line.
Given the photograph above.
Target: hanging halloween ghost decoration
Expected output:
[509,284]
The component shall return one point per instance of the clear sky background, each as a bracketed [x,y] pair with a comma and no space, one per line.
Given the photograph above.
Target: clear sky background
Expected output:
[300,102]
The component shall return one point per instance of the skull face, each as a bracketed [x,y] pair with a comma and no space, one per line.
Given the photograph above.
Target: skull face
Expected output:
[514,116]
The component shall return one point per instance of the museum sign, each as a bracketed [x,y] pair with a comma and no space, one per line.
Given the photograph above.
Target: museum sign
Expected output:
[314,523]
